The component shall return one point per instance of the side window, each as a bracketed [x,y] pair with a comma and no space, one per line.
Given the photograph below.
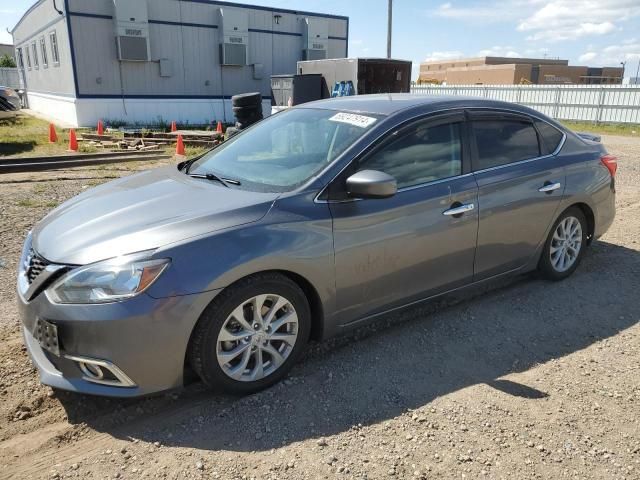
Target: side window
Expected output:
[501,142]
[34,50]
[19,57]
[28,57]
[424,154]
[550,137]
[55,56]
[43,49]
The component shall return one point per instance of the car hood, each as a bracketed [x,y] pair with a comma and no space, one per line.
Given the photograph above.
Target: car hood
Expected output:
[142,212]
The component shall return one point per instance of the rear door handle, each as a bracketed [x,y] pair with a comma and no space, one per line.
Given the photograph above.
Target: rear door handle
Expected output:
[452,212]
[549,187]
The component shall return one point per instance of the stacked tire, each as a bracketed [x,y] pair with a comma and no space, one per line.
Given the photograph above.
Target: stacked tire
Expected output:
[247,108]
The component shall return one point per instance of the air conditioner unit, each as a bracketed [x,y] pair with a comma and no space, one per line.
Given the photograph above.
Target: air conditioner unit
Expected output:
[132,30]
[315,38]
[234,25]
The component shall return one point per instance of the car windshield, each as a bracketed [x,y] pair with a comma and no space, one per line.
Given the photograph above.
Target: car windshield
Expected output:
[284,150]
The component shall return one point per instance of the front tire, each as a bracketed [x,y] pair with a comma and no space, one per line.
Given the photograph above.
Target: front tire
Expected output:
[251,335]
[565,245]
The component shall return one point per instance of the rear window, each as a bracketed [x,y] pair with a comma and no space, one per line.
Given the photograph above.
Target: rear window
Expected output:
[501,142]
[550,137]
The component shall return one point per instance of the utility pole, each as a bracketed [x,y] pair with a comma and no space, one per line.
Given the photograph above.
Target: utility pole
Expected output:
[624,64]
[637,81]
[389,24]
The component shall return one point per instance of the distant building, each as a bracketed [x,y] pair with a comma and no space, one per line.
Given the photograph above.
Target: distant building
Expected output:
[7,49]
[511,71]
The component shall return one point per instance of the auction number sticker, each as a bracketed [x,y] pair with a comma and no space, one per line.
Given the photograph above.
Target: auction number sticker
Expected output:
[361,121]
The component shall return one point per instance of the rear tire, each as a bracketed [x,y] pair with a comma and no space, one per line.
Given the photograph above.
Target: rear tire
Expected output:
[234,351]
[565,245]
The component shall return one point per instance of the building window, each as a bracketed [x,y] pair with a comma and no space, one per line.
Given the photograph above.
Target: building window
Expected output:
[28,57]
[19,57]
[34,51]
[43,49]
[55,56]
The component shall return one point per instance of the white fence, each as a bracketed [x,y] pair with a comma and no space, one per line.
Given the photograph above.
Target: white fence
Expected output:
[9,77]
[592,103]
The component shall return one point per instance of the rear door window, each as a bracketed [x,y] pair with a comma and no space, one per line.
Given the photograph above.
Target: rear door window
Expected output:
[503,141]
[550,137]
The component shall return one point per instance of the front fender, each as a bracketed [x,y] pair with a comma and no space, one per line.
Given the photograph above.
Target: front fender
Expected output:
[295,236]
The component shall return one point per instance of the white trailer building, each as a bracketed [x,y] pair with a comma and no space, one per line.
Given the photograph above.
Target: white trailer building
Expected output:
[140,61]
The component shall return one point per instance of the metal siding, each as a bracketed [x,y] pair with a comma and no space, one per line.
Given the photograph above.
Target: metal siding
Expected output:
[201,65]
[96,57]
[337,49]
[97,7]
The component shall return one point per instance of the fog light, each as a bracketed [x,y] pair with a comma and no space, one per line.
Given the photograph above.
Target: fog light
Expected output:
[101,371]
[91,371]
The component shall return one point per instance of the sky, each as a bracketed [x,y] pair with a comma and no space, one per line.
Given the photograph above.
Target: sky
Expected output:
[586,32]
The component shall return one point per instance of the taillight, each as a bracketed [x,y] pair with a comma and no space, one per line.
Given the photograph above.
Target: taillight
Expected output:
[611,163]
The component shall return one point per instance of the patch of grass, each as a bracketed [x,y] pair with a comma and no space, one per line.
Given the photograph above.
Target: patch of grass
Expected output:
[28,136]
[40,188]
[31,203]
[625,129]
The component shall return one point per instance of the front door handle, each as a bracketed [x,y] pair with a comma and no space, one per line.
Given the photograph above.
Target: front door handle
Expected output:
[459,210]
[549,187]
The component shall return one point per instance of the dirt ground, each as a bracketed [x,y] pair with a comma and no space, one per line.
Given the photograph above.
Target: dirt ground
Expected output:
[522,379]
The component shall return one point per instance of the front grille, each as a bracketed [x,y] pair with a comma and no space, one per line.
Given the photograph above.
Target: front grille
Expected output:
[36,264]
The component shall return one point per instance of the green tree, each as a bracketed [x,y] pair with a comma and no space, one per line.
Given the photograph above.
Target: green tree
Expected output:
[7,62]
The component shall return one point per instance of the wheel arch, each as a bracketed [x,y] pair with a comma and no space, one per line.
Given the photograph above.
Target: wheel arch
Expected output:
[589,215]
[311,293]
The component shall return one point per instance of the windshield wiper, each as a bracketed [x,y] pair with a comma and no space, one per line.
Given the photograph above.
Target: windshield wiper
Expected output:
[215,178]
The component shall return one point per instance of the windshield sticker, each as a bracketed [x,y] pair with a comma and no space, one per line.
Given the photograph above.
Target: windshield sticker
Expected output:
[361,121]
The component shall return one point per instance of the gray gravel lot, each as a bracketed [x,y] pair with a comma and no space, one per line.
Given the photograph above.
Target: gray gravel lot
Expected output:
[519,379]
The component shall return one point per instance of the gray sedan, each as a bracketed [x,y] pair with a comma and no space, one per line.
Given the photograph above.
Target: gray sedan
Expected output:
[311,222]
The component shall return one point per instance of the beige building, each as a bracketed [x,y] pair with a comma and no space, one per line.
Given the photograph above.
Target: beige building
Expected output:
[511,71]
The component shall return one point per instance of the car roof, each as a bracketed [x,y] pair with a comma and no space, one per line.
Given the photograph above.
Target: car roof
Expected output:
[390,103]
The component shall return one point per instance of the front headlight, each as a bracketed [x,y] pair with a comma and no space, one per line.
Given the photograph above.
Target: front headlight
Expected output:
[108,281]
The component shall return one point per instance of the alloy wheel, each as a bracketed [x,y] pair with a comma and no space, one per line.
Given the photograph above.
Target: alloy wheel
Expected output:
[566,244]
[257,337]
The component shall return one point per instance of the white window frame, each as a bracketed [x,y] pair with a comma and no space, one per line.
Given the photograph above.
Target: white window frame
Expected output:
[28,50]
[55,52]
[43,51]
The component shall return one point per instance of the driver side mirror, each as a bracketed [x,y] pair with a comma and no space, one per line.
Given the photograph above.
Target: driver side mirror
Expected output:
[371,184]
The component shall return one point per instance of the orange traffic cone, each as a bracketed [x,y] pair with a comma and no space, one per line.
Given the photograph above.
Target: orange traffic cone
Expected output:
[73,141]
[173,126]
[219,128]
[180,146]
[100,128]
[53,136]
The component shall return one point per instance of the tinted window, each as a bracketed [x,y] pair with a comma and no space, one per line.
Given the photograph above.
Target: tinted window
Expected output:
[425,154]
[550,137]
[504,141]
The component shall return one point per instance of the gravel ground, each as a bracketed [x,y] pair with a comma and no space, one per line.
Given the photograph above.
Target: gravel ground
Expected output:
[521,379]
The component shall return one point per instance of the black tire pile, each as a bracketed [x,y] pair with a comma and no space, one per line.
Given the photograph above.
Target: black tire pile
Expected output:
[247,108]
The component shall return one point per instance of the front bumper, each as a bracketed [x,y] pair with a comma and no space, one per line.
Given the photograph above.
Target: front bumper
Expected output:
[144,337]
